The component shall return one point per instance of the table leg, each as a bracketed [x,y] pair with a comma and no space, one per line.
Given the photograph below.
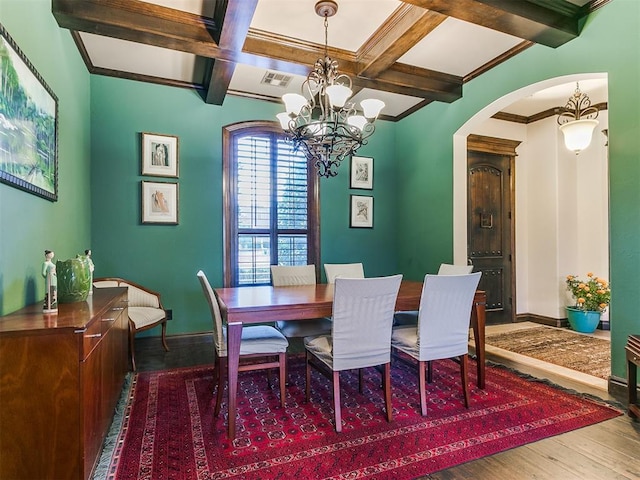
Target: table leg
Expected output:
[632,386]
[234,335]
[478,320]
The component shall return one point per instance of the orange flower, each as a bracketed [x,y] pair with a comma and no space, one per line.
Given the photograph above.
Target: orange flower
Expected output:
[581,300]
[586,289]
[590,274]
[582,286]
[569,277]
[603,305]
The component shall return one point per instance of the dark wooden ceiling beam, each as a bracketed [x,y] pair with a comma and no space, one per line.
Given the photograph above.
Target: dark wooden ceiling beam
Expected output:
[150,24]
[234,18]
[552,22]
[401,32]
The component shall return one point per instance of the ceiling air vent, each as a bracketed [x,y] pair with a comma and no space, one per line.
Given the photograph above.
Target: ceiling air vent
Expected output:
[276,79]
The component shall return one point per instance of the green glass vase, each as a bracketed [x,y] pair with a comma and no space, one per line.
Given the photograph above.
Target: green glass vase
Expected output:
[74,280]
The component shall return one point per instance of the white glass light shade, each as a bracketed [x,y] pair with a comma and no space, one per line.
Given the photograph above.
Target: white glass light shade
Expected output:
[293,103]
[371,107]
[338,95]
[357,121]
[284,119]
[578,133]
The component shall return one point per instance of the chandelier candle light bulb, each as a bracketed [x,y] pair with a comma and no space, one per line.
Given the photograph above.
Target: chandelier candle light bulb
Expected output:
[323,122]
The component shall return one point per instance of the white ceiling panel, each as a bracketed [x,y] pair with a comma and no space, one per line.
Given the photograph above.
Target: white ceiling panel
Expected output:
[348,29]
[395,104]
[458,48]
[115,54]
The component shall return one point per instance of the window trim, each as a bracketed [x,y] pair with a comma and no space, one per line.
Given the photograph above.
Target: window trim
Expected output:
[230,230]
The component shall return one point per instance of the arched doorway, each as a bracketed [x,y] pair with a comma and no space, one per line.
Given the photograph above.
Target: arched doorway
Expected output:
[561,206]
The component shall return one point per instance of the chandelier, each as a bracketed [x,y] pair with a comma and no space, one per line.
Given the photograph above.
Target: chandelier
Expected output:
[577,121]
[322,121]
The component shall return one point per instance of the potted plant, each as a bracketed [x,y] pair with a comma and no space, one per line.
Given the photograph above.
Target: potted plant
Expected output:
[592,297]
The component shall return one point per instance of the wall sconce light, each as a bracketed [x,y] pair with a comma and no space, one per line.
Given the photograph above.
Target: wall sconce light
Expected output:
[577,120]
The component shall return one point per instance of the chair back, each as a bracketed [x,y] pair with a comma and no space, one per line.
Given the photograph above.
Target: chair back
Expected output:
[291,275]
[448,269]
[362,320]
[216,316]
[137,296]
[343,270]
[445,315]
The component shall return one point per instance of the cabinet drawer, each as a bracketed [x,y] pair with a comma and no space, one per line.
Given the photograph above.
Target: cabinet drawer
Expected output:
[91,337]
[109,318]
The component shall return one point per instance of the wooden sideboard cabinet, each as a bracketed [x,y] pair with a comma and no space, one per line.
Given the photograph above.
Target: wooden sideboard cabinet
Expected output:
[60,379]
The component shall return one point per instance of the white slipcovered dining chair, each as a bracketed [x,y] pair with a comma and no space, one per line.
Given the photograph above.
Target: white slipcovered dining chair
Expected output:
[442,330]
[257,341]
[360,335]
[410,317]
[145,310]
[343,270]
[291,276]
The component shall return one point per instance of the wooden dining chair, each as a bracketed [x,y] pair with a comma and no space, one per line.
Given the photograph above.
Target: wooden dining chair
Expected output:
[257,342]
[360,335]
[343,270]
[291,276]
[410,317]
[442,330]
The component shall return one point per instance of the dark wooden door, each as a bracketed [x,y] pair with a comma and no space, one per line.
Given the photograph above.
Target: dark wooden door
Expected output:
[490,222]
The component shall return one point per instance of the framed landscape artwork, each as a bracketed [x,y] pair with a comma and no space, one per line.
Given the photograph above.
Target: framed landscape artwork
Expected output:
[160,203]
[362,172]
[28,124]
[159,155]
[361,211]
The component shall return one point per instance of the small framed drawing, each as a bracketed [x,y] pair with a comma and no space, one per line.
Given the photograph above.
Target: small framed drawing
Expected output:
[362,172]
[159,155]
[361,211]
[160,203]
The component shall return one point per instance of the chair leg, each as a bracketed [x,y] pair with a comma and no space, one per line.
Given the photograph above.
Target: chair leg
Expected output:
[282,360]
[132,351]
[307,387]
[336,401]
[164,336]
[360,379]
[429,372]
[269,378]
[386,382]
[464,370]
[423,388]
[221,367]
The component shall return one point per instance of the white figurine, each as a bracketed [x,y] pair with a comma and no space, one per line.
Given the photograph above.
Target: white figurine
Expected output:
[51,283]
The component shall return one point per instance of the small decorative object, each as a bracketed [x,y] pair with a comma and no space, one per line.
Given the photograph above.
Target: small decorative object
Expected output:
[361,211]
[92,267]
[51,283]
[592,297]
[160,203]
[159,155]
[74,279]
[29,126]
[362,172]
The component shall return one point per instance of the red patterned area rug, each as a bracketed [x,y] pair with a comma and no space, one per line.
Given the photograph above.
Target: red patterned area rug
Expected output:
[168,431]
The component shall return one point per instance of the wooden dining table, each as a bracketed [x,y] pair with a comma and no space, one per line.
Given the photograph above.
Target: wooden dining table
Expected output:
[249,305]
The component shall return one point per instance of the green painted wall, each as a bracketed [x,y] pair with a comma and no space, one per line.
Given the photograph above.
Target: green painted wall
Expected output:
[609,42]
[30,224]
[166,258]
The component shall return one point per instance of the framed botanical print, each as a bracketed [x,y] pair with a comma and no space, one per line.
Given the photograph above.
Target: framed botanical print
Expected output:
[361,211]
[28,124]
[362,172]
[159,155]
[160,203]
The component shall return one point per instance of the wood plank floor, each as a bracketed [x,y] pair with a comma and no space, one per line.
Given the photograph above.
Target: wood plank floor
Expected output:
[606,451]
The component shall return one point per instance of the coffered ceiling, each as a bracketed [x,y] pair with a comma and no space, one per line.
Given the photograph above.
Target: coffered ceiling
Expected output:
[407,53]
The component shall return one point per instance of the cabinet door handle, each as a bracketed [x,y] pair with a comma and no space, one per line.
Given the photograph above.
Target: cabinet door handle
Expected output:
[118,308]
[110,319]
[95,335]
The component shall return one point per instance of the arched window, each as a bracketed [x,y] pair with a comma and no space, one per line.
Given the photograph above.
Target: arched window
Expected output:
[271,214]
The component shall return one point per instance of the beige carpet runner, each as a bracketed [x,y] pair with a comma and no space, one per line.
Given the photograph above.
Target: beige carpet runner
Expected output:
[561,347]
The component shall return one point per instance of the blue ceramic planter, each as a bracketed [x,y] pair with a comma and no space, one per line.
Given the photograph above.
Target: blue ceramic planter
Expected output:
[583,321]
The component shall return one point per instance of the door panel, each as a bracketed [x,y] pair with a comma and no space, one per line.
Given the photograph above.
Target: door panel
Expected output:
[489,223]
